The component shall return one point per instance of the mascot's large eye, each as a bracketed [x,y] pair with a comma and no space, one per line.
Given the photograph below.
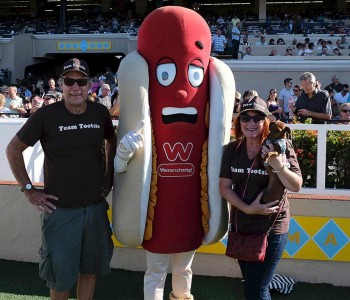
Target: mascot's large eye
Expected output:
[195,75]
[166,73]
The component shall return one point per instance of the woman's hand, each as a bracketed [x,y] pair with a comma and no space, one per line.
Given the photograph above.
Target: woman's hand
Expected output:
[256,208]
[275,162]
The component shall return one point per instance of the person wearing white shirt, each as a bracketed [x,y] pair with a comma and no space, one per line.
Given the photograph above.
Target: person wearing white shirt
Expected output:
[236,37]
[262,42]
[343,96]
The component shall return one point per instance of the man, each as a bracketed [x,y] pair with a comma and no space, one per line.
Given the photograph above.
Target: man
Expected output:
[291,101]
[105,99]
[49,98]
[335,85]
[76,235]
[219,42]
[236,37]
[52,86]
[313,103]
[283,98]
[14,102]
[37,102]
[343,96]
[248,52]
[324,51]
[261,42]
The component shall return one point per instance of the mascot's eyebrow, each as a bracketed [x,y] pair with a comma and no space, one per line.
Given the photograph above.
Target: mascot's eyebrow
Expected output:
[199,45]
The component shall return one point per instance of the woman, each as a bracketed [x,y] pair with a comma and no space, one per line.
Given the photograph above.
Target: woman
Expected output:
[336,52]
[272,104]
[3,109]
[243,172]
[280,41]
[345,113]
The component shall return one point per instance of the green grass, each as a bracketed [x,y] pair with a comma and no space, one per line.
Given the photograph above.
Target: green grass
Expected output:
[20,281]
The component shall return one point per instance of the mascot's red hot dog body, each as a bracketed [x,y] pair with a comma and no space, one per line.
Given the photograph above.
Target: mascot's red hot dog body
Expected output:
[185,101]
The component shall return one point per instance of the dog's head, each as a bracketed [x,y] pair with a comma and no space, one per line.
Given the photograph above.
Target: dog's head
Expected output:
[279,130]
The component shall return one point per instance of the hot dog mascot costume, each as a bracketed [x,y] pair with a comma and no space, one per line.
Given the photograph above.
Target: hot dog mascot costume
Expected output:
[176,105]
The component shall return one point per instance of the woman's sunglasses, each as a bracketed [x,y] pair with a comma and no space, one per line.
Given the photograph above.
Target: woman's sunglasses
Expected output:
[70,81]
[256,119]
[345,110]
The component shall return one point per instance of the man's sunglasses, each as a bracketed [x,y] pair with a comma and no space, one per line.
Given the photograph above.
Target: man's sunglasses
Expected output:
[256,119]
[70,81]
[345,110]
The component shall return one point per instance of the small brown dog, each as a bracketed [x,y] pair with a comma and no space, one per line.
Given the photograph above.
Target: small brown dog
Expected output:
[279,132]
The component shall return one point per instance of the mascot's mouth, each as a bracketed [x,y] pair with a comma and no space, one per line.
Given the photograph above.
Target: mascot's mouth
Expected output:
[176,114]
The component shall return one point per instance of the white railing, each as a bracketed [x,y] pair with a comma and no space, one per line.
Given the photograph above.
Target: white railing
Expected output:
[34,156]
[322,130]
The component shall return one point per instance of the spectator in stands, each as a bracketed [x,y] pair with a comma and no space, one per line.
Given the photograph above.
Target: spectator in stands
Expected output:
[311,47]
[335,106]
[297,90]
[335,85]
[272,42]
[220,21]
[313,103]
[336,52]
[343,95]
[280,41]
[3,110]
[52,86]
[272,104]
[307,41]
[105,99]
[339,45]
[283,98]
[323,44]
[318,84]
[289,52]
[324,51]
[25,92]
[39,90]
[49,98]
[37,102]
[27,105]
[304,51]
[273,52]
[219,42]
[248,52]
[344,42]
[94,85]
[245,40]
[14,102]
[235,20]
[236,37]
[345,113]
[261,42]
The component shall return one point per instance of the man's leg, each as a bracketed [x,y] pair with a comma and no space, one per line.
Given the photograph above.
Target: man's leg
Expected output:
[59,295]
[182,275]
[154,280]
[86,287]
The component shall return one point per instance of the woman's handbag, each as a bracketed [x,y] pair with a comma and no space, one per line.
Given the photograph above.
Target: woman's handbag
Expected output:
[248,246]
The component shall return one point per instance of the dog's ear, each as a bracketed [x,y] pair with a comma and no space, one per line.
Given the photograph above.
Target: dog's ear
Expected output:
[286,131]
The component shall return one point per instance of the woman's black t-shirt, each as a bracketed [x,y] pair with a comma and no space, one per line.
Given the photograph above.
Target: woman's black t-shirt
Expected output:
[236,166]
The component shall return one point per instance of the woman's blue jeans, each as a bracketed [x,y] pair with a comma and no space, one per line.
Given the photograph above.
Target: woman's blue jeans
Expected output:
[257,276]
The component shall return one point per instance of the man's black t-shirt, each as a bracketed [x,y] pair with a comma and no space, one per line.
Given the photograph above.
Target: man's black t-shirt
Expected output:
[319,103]
[72,146]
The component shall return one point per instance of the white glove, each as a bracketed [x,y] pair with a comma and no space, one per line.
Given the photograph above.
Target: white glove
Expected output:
[130,142]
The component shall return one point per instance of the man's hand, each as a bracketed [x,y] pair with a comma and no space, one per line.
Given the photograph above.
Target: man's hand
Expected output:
[41,200]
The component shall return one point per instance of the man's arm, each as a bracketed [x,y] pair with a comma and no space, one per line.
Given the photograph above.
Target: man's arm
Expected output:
[110,150]
[39,199]
[308,113]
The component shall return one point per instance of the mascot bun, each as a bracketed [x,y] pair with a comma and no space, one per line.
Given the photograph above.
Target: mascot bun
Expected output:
[168,199]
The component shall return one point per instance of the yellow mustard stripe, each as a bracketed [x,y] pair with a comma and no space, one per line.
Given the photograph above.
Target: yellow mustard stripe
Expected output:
[153,194]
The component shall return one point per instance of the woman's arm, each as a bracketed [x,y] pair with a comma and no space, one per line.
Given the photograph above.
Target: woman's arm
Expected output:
[255,208]
[289,179]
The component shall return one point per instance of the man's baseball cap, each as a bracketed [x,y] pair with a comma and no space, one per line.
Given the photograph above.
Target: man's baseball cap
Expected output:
[77,65]
[255,104]
[51,94]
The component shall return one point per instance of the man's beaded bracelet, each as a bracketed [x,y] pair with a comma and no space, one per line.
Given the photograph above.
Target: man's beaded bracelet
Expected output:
[277,171]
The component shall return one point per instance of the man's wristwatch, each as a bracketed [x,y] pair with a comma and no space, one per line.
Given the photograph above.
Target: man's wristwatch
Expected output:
[27,187]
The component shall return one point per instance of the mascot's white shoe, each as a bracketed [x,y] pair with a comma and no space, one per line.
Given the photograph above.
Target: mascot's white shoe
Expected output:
[172,297]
